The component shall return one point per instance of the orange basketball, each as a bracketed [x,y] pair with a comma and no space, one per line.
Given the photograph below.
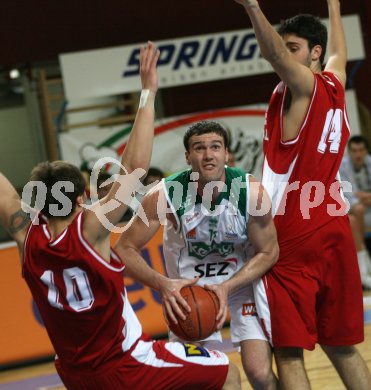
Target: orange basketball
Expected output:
[200,323]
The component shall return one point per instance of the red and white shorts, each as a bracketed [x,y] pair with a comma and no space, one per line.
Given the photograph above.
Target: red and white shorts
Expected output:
[314,294]
[155,365]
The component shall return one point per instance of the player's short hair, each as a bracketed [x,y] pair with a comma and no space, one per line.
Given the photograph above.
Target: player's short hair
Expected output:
[308,27]
[358,139]
[205,127]
[51,173]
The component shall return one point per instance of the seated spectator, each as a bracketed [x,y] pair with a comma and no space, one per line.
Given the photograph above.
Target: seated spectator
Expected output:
[356,169]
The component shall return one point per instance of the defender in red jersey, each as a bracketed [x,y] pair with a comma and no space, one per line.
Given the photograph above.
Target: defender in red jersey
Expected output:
[77,280]
[313,293]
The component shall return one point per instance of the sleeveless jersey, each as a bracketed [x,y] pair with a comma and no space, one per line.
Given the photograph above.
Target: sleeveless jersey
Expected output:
[209,241]
[81,297]
[301,175]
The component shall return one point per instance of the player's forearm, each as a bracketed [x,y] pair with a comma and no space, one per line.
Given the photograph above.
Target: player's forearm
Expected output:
[137,268]
[138,150]
[8,195]
[336,43]
[270,42]
[254,269]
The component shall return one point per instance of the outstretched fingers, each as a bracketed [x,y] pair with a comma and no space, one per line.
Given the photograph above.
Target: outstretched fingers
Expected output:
[149,56]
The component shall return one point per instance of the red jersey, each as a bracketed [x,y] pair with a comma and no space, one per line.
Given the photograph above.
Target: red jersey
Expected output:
[80,296]
[301,175]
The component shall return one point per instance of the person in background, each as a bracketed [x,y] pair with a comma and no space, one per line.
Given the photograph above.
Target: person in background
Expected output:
[313,294]
[356,169]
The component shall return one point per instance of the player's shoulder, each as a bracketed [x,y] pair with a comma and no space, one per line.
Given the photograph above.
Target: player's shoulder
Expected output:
[330,80]
[181,176]
[176,185]
[234,172]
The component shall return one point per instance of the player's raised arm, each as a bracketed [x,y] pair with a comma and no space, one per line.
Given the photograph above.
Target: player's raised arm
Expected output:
[297,76]
[136,156]
[12,217]
[337,44]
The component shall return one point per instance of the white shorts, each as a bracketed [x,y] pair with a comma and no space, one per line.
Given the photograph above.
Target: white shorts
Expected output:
[245,323]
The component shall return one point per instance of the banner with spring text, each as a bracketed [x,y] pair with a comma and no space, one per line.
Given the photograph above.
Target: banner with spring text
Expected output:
[189,60]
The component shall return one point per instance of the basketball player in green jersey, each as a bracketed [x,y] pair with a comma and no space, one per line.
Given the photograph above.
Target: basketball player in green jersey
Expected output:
[219,231]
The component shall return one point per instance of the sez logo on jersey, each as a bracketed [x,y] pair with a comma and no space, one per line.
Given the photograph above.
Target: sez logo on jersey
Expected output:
[221,268]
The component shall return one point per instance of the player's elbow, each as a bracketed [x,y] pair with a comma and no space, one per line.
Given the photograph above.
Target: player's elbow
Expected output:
[275,254]
[133,161]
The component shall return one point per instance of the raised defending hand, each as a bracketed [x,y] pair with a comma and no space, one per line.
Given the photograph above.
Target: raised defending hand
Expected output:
[173,304]
[222,293]
[247,3]
[148,72]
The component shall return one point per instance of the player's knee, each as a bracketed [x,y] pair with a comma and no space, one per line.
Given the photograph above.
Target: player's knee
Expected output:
[260,377]
[233,381]
[340,351]
[289,358]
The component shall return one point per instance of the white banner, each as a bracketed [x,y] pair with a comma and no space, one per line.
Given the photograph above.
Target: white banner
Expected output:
[183,61]
[84,147]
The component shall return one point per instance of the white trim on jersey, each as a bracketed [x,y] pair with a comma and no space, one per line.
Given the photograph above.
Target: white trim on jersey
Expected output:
[46,232]
[247,214]
[59,239]
[132,330]
[25,243]
[346,118]
[116,257]
[36,216]
[171,205]
[274,183]
[92,251]
[338,178]
[144,353]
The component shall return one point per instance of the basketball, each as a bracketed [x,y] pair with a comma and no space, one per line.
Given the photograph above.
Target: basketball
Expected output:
[200,322]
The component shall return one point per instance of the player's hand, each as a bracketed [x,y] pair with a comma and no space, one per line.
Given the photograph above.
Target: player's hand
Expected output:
[247,3]
[173,304]
[148,73]
[222,293]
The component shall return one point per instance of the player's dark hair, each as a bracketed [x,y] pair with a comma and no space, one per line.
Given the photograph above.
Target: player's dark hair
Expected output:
[51,173]
[358,139]
[102,177]
[205,127]
[308,27]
